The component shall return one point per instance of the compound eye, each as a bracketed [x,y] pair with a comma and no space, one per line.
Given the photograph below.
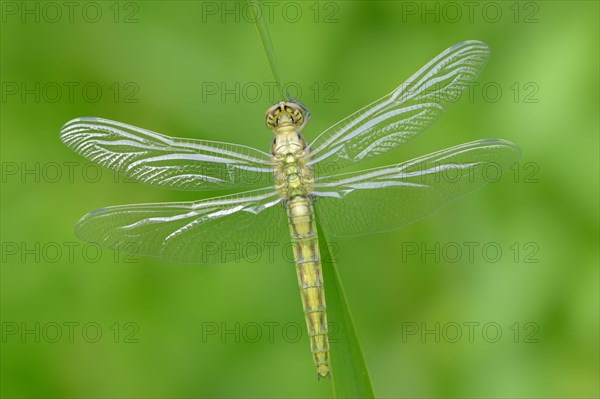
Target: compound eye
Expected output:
[297,117]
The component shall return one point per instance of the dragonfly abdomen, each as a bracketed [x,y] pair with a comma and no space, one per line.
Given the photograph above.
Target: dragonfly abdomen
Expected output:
[305,246]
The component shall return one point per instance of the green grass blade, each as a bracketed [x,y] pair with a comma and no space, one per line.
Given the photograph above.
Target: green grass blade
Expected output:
[263,32]
[348,369]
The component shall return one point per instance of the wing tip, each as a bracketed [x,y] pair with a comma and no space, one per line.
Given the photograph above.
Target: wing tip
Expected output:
[472,42]
[482,48]
[85,119]
[68,127]
[495,140]
[509,145]
[86,233]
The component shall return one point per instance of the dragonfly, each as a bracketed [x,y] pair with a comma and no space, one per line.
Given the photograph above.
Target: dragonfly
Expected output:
[296,183]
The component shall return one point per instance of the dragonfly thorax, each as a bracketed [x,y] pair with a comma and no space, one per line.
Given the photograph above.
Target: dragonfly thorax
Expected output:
[292,174]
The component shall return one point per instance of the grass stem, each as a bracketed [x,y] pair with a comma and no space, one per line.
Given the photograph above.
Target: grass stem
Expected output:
[348,369]
[263,32]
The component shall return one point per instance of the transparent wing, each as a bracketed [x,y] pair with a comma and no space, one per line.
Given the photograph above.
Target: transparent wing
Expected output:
[223,229]
[384,199]
[156,159]
[407,111]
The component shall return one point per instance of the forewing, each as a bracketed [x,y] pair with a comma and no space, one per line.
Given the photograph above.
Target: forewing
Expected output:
[407,111]
[156,159]
[384,199]
[223,229]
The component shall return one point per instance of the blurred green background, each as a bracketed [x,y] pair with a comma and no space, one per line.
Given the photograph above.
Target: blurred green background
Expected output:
[144,327]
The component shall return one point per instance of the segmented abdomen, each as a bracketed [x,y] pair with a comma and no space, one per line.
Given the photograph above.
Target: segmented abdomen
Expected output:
[305,245]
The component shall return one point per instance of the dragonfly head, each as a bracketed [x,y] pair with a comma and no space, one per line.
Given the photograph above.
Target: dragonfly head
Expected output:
[286,114]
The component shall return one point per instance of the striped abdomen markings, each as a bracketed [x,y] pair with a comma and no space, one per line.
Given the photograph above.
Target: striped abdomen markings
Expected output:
[305,245]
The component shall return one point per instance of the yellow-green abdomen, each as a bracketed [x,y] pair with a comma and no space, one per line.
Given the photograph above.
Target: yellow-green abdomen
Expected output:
[305,245]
